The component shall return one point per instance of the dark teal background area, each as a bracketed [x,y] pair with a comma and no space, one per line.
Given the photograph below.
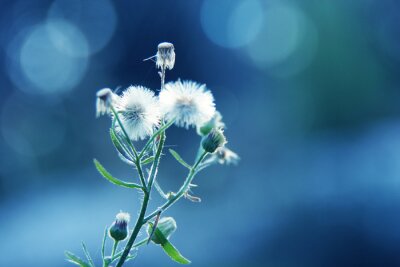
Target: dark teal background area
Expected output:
[310,94]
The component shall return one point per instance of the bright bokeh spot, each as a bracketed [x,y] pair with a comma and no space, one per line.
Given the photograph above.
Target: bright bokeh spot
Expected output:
[231,24]
[279,36]
[287,41]
[96,19]
[49,57]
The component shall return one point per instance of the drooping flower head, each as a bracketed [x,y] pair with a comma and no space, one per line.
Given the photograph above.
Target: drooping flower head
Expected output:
[188,102]
[139,112]
[226,156]
[104,99]
[165,57]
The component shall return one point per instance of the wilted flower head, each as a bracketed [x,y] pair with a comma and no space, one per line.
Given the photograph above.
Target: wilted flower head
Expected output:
[104,99]
[119,229]
[188,102]
[226,156]
[215,122]
[165,57]
[139,112]
[214,140]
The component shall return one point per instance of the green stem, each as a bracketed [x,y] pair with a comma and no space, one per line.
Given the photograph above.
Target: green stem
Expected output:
[154,166]
[137,244]
[114,248]
[158,132]
[181,191]
[138,226]
[124,131]
[137,158]
[140,220]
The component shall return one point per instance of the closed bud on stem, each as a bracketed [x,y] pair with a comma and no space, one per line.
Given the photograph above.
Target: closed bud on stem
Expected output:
[119,229]
[215,122]
[166,225]
[165,57]
[213,140]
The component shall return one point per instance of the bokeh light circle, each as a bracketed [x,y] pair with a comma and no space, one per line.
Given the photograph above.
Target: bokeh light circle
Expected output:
[278,37]
[50,57]
[231,24]
[96,19]
[287,42]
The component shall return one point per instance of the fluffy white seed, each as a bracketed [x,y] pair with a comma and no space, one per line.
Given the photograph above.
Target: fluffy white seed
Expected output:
[139,112]
[187,102]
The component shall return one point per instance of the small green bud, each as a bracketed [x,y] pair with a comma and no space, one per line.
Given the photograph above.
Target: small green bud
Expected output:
[213,140]
[166,225]
[119,229]
[215,122]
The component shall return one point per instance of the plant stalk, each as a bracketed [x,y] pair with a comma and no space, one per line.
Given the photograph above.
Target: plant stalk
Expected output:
[140,220]
[181,191]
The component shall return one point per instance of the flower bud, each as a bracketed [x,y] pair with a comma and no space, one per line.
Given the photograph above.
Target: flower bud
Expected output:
[165,56]
[213,140]
[215,122]
[166,225]
[119,229]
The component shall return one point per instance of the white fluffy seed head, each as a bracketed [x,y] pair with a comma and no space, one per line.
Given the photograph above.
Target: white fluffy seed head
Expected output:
[139,112]
[123,217]
[187,102]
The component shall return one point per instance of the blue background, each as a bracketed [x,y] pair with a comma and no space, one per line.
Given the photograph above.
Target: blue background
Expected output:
[309,91]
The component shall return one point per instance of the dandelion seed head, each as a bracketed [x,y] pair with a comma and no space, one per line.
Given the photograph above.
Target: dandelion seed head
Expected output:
[104,99]
[139,112]
[188,102]
[165,56]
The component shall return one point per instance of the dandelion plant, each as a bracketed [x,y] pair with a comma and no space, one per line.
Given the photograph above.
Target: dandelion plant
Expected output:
[141,114]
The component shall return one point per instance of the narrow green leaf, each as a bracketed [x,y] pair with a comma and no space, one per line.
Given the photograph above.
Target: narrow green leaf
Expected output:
[118,145]
[179,158]
[112,179]
[71,257]
[148,160]
[168,248]
[174,254]
[87,254]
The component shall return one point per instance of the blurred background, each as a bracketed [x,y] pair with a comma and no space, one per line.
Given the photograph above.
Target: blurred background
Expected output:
[310,94]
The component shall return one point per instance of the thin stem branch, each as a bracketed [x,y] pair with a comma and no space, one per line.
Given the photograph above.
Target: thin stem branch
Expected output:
[124,131]
[114,248]
[163,76]
[138,226]
[140,222]
[137,158]
[137,244]
[154,166]
[181,191]
[159,190]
